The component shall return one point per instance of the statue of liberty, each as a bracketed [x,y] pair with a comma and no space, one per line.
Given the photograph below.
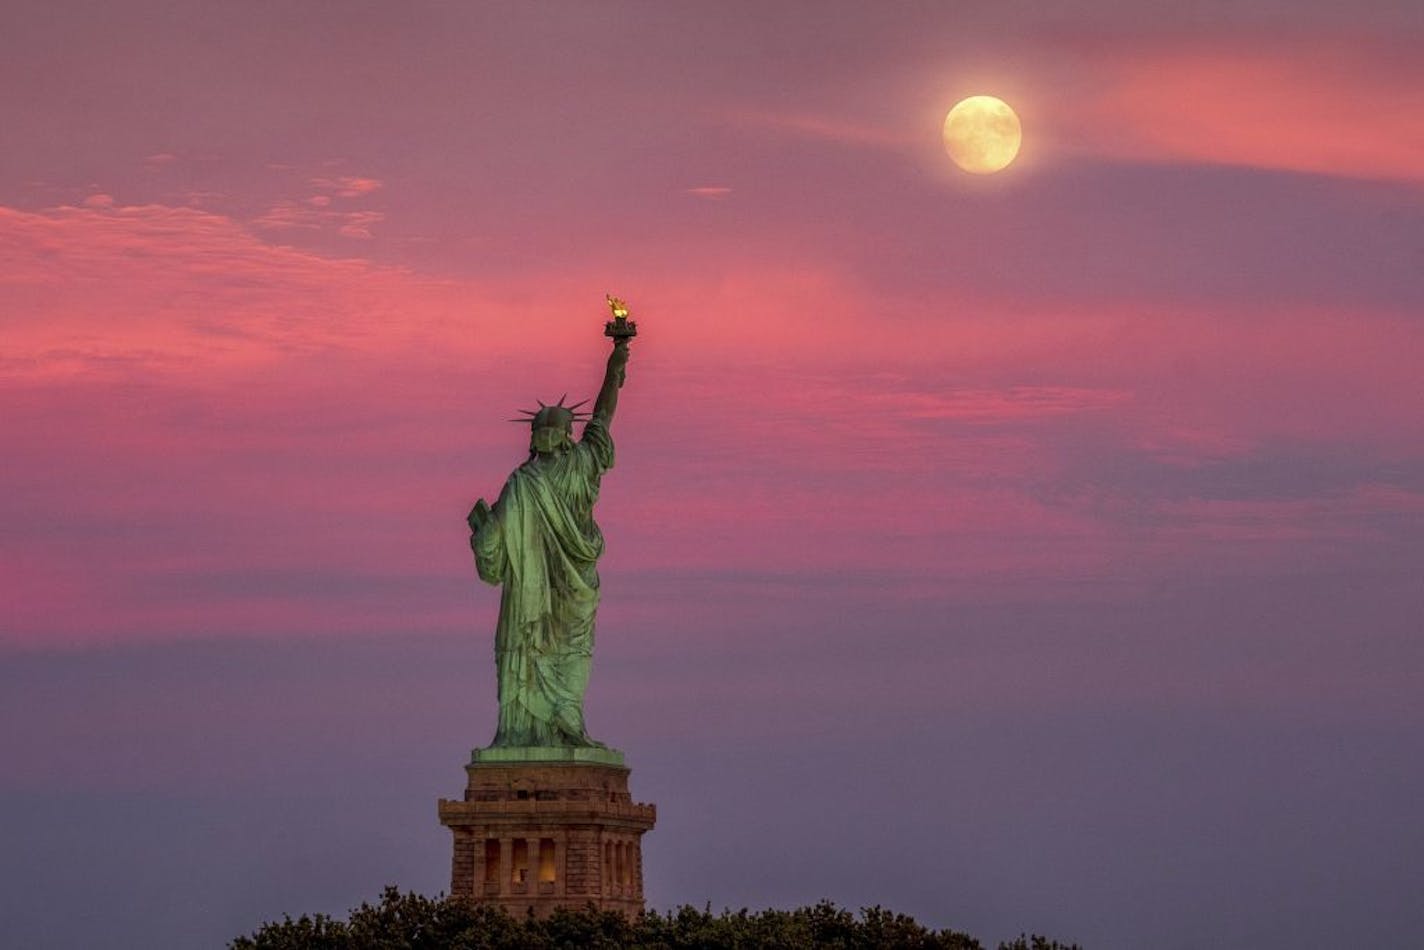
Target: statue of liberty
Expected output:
[540,543]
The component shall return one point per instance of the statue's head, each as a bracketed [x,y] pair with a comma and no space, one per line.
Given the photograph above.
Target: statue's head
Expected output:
[553,430]
[552,427]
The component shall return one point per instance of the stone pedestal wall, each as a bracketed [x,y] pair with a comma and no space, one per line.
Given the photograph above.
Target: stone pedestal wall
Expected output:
[540,835]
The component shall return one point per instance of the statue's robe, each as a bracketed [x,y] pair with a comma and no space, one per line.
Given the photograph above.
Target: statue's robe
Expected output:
[542,545]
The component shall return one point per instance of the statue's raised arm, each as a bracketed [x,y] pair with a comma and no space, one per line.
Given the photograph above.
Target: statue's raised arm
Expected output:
[621,330]
[607,401]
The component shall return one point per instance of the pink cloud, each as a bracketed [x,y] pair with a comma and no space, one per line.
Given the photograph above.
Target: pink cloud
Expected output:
[200,198]
[357,224]
[209,416]
[313,215]
[92,290]
[710,192]
[347,186]
[290,214]
[1015,402]
[1344,106]
[316,212]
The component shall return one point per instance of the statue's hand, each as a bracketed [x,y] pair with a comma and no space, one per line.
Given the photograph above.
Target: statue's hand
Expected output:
[479,516]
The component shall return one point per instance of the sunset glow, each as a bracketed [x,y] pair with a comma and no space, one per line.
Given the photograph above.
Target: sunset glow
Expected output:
[1087,497]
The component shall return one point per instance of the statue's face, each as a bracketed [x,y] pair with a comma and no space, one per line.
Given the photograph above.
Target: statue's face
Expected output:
[547,440]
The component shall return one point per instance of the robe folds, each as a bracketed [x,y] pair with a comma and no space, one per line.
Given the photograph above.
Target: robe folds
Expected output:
[542,545]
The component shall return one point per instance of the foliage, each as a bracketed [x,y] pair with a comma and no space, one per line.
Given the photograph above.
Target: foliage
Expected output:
[412,922]
[1036,942]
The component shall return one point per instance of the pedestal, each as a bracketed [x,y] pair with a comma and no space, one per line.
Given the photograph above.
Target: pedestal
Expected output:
[546,830]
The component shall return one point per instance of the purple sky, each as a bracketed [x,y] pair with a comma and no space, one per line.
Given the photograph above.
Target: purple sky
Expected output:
[1032,552]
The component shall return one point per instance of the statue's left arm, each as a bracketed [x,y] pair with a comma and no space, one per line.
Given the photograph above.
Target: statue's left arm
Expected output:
[607,401]
[487,542]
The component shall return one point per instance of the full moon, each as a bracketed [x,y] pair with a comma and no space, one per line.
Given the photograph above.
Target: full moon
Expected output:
[982,134]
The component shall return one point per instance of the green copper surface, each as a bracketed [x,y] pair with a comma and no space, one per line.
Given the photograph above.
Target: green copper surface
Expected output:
[539,542]
[513,753]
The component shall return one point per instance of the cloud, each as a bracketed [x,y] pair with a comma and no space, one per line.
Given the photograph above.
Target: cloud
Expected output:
[710,192]
[187,400]
[1347,106]
[1015,402]
[1193,447]
[357,224]
[1240,529]
[178,289]
[290,214]
[313,215]
[197,198]
[318,212]
[347,186]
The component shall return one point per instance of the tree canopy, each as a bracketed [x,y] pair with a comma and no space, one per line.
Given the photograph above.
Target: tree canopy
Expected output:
[414,922]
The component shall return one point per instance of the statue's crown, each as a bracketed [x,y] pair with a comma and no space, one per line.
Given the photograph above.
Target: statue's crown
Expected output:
[553,416]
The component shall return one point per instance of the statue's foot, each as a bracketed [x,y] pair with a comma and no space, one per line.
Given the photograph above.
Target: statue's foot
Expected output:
[580,740]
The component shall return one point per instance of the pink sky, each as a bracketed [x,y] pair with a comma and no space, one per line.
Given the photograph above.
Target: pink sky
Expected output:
[272,279]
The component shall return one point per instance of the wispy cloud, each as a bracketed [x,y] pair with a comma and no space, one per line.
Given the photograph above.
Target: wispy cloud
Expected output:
[1364,513]
[329,209]
[1346,107]
[314,214]
[291,214]
[197,198]
[347,186]
[710,192]
[357,224]
[318,408]
[1011,403]
[86,287]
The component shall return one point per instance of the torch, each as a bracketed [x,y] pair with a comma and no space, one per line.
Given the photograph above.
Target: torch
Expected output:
[620,328]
